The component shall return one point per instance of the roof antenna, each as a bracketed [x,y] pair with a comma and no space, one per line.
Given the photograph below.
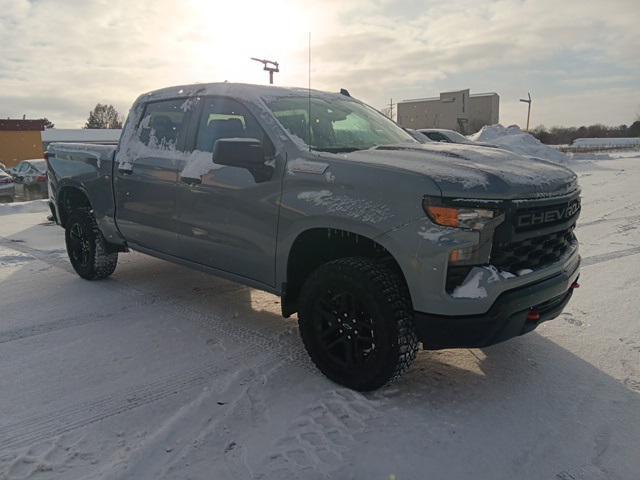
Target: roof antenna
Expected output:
[309,105]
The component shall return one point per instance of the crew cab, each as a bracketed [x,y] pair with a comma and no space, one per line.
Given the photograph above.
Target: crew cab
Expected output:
[380,244]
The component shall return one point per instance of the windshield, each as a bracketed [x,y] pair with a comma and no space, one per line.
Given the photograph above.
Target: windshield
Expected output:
[337,125]
[39,165]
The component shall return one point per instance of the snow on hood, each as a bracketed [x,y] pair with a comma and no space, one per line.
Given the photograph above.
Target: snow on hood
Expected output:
[515,140]
[474,172]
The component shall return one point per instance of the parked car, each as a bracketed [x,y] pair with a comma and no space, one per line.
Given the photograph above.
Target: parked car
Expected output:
[377,241]
[421,137]
[451,136]
[30,177]
[7,187]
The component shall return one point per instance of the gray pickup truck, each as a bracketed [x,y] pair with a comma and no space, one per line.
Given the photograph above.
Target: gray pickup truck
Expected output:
[377,241]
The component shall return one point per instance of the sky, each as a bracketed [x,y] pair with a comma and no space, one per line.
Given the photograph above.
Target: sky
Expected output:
[579,59]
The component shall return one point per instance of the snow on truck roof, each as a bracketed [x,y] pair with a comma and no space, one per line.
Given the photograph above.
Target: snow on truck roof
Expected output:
[242,90]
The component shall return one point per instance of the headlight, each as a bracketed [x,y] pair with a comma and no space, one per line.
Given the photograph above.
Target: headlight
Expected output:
[462,217]
[471,215]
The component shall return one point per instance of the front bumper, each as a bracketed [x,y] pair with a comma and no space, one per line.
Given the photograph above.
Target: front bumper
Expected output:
[507,318]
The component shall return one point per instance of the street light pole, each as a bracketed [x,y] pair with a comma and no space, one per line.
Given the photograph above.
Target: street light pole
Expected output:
[269,66]
[528,108]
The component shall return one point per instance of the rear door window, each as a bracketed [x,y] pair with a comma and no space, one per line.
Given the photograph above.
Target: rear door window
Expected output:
[163,125]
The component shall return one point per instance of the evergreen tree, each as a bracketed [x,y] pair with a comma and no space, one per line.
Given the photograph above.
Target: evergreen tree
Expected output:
[104,116]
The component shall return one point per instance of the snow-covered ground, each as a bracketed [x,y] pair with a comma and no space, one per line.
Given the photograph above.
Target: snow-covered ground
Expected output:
[165,373]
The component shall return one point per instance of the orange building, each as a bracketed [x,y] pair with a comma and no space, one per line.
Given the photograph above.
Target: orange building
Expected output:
[20,140]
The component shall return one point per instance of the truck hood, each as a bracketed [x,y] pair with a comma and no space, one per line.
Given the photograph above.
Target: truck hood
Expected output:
[469,171]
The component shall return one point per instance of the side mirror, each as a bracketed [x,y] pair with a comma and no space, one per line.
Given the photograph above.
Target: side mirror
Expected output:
[239,152]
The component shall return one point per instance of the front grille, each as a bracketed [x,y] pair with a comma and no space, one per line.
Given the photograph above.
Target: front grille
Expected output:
[533,253]
[533,218]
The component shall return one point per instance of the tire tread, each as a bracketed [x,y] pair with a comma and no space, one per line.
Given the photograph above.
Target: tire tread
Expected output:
[389,286]
[104,262]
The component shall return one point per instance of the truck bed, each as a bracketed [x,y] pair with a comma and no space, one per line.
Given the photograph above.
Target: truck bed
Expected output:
[87,167]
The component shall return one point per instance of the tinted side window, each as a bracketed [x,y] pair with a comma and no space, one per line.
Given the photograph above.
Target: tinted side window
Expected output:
[437,136]
[227,118]
[162,124]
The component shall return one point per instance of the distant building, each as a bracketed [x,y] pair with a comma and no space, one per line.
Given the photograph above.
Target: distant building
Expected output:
[457,110]
[103,136]
[20,140]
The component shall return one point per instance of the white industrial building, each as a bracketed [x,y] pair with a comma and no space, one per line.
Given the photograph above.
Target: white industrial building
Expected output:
[458,110]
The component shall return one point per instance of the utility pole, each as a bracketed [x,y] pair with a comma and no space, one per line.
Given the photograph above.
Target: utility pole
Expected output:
[388,110]
[269,66]
[528,108]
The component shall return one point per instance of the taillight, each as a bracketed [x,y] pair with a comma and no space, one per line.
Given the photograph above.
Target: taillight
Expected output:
[41,178]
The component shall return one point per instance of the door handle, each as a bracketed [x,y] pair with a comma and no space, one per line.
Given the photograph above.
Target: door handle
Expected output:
[191,181]
[125,171]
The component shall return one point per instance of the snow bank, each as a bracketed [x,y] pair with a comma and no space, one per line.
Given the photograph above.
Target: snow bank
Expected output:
[34,206]
[513,139]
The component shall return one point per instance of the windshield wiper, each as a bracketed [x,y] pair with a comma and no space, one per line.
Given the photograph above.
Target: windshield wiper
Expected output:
[337,149]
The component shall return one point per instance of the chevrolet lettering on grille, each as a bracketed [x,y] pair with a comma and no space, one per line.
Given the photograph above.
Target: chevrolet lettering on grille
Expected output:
[549,216]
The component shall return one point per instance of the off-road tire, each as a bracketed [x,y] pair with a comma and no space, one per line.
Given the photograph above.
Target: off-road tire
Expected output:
[388,308]
[94,260]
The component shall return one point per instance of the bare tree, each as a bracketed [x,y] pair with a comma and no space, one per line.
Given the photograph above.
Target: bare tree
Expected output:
[386,111]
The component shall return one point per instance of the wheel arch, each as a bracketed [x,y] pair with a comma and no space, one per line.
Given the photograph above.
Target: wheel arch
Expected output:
[69,198]
[317,245]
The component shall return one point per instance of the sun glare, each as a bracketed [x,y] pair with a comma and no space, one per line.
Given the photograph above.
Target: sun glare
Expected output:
[226,34]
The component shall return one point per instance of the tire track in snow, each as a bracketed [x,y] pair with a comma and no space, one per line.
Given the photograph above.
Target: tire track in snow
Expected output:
[48,327]
[194,420]
[216,325]
[605,257]
[60,324]
[41,427]
[53,258]
[631,219]
[316,440]
[44,426]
